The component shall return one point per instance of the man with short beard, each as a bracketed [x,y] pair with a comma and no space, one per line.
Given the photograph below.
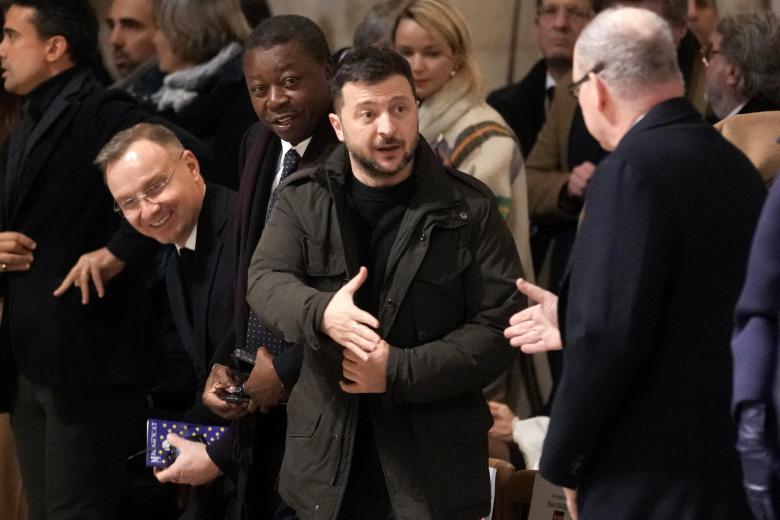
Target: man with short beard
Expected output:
[387,419]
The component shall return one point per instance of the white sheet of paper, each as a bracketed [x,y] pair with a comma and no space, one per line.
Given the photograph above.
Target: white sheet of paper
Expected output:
[547,502]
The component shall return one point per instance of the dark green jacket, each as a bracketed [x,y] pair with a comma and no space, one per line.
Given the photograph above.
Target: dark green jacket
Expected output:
[447,297]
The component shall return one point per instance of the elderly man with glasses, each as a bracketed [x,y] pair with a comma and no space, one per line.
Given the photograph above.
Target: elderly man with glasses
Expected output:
[640,427]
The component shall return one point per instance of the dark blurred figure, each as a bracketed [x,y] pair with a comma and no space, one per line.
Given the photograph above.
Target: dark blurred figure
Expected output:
[255,11]
[376,27]
[11,507]
[199,47]
[756,385]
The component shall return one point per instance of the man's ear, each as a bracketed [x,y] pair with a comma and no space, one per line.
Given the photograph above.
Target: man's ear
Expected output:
[192,165]
[56,47]
[733,73]
[335,122]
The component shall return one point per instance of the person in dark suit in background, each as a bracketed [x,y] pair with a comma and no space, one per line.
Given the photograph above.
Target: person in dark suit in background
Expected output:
[640,427]
[742,64]
[286,67]
[756,399]
[524,105]
[80,366]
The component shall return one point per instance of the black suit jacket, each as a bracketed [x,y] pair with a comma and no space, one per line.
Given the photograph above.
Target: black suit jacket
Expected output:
[64,206]
[641,421]
[522,105]
[758,103]
[209,282]
[259,158]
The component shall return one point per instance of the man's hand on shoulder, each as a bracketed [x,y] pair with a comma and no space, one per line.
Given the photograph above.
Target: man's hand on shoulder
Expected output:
[99,266]
[16,251]
[366,376]
[347,324]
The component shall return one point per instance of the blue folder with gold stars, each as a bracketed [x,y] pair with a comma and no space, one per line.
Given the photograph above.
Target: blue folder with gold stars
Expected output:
[159,452]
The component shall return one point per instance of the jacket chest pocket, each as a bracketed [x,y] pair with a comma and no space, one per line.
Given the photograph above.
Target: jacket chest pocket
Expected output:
[437,293]
[325,266]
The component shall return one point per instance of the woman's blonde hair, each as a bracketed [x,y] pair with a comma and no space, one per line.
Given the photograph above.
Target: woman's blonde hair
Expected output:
[441,19]
[198,29]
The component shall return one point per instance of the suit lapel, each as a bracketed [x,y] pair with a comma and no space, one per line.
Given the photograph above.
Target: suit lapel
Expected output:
[46,135]
[209,247]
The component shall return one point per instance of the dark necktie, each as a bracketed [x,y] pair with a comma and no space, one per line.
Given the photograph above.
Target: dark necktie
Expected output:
[290,165]
[256,334]
[549,94]
[186,259]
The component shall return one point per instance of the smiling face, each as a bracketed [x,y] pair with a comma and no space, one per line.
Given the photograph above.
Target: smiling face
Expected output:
[430,57]
[288,89]
[174,212]
[132,27]
[23,52]
[378,124]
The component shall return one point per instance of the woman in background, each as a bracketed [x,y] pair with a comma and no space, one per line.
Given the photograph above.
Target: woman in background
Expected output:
[472,137]
[465,132]
[199,46]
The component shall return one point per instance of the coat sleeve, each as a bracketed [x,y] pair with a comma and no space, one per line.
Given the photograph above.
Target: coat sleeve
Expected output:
[277,291]
[546,167]
[475,353]
[613,308]
[754,344]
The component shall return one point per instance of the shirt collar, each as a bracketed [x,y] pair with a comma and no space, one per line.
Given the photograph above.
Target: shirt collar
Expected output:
[191,240]
[737,109]
[300,147]
[549,81]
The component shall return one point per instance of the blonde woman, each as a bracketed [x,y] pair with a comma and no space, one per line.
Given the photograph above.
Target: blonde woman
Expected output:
[454,118]
[472,137]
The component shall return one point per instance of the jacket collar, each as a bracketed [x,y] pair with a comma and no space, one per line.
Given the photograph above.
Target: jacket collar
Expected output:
[665,113]
[433,186]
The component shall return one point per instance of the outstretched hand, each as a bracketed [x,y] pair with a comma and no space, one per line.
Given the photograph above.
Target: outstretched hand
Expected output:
[347,324]
[535,329]
[100,266]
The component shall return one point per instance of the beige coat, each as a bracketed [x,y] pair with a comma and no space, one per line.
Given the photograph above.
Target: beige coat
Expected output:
[756,135]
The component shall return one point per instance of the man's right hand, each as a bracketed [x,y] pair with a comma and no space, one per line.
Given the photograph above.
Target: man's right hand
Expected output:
[16,251]
[347,324]
[535,329]
[221,378]
[579,178]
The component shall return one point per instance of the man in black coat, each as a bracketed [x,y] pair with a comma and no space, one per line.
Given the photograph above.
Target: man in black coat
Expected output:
[524,105]
[287,67]
[80,366]
[640,427]
[158,186]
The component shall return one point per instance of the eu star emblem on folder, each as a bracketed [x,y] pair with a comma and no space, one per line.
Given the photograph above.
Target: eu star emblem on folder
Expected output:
[159,452]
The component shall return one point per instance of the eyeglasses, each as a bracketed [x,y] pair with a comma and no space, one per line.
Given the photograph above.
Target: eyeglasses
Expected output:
[574,88]
[150,194]
[551,11]
[707,53]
